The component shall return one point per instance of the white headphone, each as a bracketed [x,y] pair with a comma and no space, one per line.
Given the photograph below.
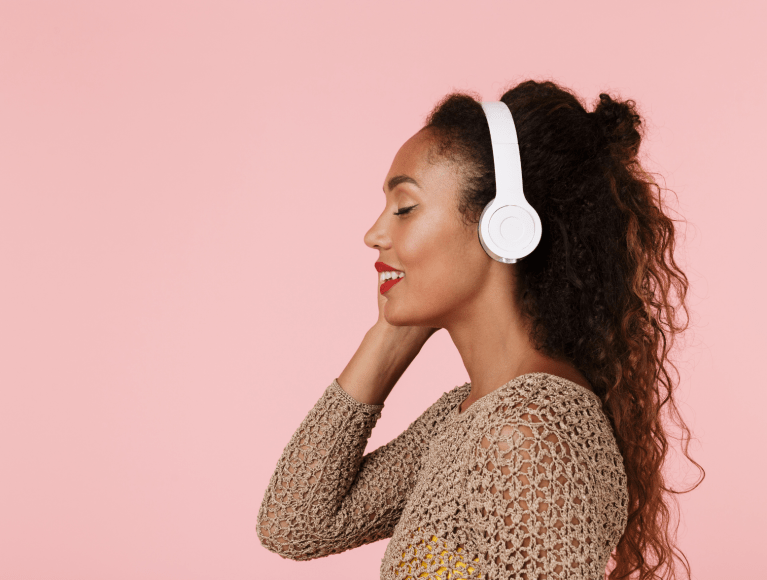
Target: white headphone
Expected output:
[509,228]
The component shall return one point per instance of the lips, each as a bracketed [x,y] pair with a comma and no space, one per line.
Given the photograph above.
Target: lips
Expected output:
[388,284]
[381,267]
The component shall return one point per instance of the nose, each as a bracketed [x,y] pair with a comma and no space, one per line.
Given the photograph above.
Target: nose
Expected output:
[376,236]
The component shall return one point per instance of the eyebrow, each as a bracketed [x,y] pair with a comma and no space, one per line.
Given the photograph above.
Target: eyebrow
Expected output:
[397,179]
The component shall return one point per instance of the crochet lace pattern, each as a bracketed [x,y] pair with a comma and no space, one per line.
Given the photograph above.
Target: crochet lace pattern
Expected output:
[528,482]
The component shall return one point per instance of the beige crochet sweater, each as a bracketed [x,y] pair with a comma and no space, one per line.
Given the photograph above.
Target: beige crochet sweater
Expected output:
[527,482]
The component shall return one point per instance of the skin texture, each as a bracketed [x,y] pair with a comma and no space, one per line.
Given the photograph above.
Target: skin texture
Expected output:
[450,282]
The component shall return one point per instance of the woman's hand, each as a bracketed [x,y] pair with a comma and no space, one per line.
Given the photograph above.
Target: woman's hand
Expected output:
[382,357]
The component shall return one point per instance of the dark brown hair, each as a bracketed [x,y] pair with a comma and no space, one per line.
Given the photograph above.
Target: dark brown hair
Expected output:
[597,290]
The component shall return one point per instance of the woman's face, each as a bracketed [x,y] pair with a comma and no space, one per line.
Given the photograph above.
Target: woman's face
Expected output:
[444,264]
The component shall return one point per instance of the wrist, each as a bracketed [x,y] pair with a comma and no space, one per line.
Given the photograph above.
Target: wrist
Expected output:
[402,336]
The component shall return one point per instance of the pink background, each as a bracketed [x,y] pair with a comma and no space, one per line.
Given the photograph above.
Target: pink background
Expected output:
[184,191]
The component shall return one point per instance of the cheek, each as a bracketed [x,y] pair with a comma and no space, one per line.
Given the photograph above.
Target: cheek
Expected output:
[441,258]
[421,246]
[437,248]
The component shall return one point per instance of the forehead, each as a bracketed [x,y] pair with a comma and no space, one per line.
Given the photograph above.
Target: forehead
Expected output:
[414,160]
[412,155]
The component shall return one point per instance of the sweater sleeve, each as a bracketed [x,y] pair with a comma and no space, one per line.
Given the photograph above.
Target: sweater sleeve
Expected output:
[324,496]
[533,497]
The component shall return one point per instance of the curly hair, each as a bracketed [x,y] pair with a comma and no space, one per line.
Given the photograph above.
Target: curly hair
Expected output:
[597,290]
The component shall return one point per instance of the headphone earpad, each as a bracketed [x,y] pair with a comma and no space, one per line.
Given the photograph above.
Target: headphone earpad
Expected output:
[510,228]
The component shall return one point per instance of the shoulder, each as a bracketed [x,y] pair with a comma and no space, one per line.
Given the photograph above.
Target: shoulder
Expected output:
[547,404]
[551,421]
[555,430]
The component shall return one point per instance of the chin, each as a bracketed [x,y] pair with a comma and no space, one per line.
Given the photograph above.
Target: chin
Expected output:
[400,319]
[394,318]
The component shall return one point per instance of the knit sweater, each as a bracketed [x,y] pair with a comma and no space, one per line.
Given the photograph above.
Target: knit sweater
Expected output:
[527,482]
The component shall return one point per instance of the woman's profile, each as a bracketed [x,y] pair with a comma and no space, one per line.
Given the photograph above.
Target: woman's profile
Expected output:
[548,463]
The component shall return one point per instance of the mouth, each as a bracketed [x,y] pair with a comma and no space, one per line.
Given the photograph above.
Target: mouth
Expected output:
[388,275]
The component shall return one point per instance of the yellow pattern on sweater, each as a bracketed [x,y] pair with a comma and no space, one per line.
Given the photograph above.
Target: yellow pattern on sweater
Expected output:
[414,564]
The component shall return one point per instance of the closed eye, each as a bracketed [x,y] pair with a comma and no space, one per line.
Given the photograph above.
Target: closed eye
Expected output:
[404,210]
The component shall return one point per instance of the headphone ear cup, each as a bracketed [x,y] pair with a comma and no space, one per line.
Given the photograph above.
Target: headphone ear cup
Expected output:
[508,232]
[511,228]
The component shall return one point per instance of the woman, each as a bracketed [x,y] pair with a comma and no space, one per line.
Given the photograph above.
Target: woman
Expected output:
[547,464]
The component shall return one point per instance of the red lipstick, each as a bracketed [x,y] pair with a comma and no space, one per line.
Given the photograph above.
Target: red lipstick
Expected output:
[382,267]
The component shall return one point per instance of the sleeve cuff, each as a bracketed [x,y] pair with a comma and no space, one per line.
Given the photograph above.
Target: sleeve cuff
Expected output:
[338,390]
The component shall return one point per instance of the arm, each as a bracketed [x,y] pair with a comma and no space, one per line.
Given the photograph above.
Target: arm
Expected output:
[324,497]
[532,498]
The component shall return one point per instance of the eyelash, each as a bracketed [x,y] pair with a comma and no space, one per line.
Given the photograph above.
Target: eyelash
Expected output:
[404,210]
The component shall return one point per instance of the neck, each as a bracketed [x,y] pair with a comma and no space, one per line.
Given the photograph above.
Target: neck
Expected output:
[493,342]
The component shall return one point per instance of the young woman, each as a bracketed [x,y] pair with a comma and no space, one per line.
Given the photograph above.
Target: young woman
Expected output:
[547,464]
